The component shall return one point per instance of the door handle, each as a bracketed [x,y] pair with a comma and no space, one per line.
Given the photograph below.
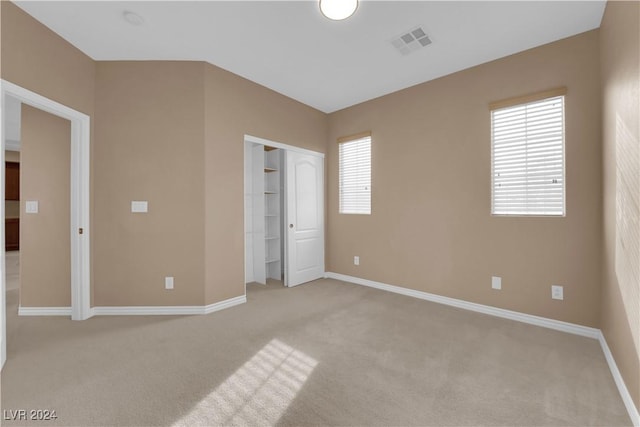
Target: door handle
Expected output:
[290,225]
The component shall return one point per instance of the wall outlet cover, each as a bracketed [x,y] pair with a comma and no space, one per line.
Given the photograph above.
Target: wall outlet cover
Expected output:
[496,282]
[557,292]
[356,260]
[168,282]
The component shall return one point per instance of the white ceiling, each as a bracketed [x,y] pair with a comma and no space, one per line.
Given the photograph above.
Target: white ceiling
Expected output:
[291,48]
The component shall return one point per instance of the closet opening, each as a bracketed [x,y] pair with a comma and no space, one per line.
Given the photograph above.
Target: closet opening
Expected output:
[283,213]
[264,242]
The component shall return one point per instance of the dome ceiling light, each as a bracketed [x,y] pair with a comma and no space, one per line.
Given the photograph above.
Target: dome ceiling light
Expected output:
[338,10]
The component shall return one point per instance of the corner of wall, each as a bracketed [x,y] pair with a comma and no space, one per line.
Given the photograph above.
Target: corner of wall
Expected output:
[620,304]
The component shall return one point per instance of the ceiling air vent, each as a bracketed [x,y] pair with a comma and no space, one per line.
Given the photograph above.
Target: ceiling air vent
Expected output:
[411,41]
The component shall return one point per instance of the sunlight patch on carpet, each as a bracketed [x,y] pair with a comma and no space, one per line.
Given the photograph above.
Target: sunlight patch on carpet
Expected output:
[258,393]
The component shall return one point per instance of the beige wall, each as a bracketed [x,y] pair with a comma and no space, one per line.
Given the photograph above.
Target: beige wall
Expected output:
[620,59]
[431,227]
[12,207]
[171,133]
[45,246]
[149,145]
[12,156]
[37,59]
[235,107]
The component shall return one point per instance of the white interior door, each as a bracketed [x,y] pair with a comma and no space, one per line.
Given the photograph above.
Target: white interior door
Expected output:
[304,218]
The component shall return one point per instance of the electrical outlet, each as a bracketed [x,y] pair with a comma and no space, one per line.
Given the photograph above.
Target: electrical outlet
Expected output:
[356,260]
[168,282]
[496,282]
[557,292]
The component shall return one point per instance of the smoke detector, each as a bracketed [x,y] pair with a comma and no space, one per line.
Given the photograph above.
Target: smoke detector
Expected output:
[132,18]
[411,41]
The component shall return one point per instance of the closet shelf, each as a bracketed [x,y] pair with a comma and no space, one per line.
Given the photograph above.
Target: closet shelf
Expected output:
[267,239]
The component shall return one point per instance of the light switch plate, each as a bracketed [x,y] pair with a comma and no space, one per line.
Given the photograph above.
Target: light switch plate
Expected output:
[139,206]
[31,206]
[496,282]
[557,292]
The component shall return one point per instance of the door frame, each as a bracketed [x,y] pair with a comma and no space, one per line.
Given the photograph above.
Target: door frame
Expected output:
[80,200]
[286,147]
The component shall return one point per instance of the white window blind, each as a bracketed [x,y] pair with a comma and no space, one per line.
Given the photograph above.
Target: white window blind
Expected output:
[355,176]
[527,156]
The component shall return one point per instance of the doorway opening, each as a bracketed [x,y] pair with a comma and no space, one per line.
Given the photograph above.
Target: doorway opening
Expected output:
[79,200]
[12,131]
[283,213]
[264,213]
[11,124]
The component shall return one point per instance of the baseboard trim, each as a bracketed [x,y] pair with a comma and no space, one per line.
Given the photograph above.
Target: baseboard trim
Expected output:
[44,311]
[558,325]
[617,377]
[180,310]
[228,303]
[147,310]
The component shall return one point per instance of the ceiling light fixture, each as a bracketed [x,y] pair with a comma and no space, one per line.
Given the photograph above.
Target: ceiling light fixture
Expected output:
[132,18]
[338,9]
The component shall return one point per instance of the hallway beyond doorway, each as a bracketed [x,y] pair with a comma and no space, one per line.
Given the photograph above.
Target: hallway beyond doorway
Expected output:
[12,263]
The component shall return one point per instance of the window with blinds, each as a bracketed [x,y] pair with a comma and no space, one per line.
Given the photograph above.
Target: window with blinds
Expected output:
[355,176]
[527,156]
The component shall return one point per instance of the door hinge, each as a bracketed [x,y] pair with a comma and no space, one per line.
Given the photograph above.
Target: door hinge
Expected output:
[80,230]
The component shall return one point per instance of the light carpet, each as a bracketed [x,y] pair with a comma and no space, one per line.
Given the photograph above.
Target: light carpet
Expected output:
[324,353]
[12,270]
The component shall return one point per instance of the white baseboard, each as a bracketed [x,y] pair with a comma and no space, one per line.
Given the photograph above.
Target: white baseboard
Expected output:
[617,377]
[512,315]
[558,325]
[228,303]
[44,311]
[147,310]
[181,310]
